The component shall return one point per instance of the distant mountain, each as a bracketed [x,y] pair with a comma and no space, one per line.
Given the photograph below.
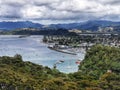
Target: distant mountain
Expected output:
[20,24]
[89,25]
[94,25]
[66,26]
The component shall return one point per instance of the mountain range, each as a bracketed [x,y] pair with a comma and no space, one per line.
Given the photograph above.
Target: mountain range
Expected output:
[19,24]
[88,25]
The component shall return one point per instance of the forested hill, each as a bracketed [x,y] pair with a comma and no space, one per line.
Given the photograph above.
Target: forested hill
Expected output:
[14,73]
[28,27]
[100,70]
[100,59]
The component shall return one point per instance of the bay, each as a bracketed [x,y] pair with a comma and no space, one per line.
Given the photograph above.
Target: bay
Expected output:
[34,50]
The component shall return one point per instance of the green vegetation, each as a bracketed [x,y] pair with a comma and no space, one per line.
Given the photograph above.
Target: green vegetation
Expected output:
[35,31]
[100,70]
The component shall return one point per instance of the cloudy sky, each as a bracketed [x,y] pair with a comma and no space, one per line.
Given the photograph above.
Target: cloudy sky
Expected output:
[59,11]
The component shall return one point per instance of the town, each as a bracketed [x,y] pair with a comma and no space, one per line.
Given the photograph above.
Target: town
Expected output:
[83,40]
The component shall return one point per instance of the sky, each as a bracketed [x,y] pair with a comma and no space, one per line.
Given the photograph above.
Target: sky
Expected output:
[59,11]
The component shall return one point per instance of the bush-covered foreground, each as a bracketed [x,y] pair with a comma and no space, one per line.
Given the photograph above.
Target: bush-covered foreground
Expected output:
[100,70]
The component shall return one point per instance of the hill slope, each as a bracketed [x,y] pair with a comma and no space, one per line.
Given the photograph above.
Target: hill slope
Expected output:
[88,25]
[100,58]
[92,75]
[20,24]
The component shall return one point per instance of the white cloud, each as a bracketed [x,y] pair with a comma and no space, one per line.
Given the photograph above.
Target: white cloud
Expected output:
[60,10]
[33,11]
[40,2]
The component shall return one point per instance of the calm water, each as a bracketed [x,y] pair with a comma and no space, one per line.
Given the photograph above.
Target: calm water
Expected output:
[32,49]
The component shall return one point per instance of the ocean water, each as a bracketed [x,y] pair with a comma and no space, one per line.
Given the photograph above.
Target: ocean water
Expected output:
[33,49]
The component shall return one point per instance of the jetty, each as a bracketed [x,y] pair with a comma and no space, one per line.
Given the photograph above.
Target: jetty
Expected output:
[60,50]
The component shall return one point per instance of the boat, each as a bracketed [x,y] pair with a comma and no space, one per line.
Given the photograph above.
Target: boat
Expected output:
[78,62]
[62,51]
[61,61]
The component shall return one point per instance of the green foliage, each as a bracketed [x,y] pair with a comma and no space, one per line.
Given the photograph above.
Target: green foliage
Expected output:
[99,59]
[100,70]
[19,74]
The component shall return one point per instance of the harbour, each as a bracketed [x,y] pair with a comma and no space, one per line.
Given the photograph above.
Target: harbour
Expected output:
[34,50]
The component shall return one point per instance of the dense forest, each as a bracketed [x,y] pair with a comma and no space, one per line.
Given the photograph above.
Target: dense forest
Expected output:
[100,70]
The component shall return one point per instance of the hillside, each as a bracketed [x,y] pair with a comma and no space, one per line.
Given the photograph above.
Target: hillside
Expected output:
[88,25]
[24,75]
[19,24]
[35,31]
[100,70]
[100,58]
[92,26]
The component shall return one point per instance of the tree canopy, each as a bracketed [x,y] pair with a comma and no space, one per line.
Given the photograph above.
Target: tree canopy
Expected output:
[100,70]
